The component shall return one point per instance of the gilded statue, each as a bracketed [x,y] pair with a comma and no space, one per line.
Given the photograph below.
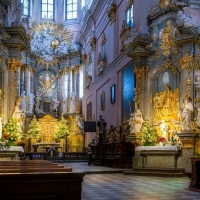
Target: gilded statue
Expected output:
[164,3]
[166,104]
[167,36]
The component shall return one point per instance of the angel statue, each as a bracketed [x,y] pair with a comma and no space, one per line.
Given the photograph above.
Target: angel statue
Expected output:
[55,103]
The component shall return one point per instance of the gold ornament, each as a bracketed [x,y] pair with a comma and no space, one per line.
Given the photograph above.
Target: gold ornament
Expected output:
[93,43]
[166,104]
[164,3]
[112,13]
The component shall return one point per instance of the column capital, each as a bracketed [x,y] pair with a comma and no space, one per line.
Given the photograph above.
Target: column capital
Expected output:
[13,64]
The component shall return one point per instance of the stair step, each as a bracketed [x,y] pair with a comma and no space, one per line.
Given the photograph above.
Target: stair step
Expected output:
[168,170]
[176,174]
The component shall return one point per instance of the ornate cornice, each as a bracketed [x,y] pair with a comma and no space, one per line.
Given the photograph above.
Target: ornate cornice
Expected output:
[13,64]
[112,13]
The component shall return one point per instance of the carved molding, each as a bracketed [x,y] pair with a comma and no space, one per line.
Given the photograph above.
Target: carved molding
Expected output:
[187,143]
[112,13]
[13,64]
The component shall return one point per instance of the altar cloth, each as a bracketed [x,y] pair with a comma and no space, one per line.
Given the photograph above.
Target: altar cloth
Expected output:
[160,148]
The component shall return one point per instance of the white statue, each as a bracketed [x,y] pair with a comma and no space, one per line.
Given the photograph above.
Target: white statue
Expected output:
[185,15]
[55,103]
[23,102]
[164,129]
[136,121]
[30,103]
[185,114]
[197,82]
[80,122]
[72,104]
[197,119]
[19,114]
[64,106]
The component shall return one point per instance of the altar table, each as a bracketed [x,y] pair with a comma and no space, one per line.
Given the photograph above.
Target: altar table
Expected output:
[156,156]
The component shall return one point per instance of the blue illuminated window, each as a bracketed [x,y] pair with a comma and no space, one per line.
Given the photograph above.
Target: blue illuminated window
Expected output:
[129,16]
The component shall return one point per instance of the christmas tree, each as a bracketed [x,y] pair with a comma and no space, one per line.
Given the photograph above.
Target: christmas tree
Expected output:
[34,129]
[149,134]
[11,130]
[62,130]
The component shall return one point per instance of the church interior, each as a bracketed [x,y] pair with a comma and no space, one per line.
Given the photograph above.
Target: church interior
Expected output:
[96,93]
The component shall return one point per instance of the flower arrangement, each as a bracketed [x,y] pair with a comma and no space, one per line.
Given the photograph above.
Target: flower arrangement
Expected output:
[173,140]
[161,139]
[149,134]
[4,143]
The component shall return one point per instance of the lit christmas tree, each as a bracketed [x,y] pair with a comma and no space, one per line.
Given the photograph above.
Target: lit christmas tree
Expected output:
[149,134]
[62,131]
[11,130]
[34,129]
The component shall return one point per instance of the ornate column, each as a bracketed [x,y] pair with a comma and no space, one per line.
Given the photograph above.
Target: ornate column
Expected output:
[69,75]
[27,79]
[77,100]
[62,90]
[13,66]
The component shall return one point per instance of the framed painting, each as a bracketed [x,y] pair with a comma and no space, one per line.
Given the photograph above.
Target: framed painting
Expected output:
[112,94]
[89,111]
[103,101]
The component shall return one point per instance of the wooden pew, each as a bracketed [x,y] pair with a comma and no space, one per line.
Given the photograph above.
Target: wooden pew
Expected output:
[41,186]
[38,181]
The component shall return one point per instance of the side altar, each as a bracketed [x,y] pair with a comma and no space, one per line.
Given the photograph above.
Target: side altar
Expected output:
[156,156]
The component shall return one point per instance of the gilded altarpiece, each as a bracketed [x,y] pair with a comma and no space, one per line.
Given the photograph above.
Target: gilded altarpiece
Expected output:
[48,125]
[165,95]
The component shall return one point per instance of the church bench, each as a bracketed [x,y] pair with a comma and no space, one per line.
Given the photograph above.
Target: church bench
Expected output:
[32,162]
[24,169]
[30,166]
[37,186]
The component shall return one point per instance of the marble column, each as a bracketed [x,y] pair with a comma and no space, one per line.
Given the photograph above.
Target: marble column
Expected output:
[13,66]
[68,89]
[27,80]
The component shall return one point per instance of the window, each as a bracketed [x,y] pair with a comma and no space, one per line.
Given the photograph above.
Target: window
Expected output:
[129,16]
[47,9]
[26,7]
[71,9]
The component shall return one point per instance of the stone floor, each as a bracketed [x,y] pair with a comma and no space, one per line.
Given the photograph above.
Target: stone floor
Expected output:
[117,186]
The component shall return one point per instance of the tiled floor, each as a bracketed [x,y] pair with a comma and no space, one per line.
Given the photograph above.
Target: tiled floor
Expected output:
[123,187]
